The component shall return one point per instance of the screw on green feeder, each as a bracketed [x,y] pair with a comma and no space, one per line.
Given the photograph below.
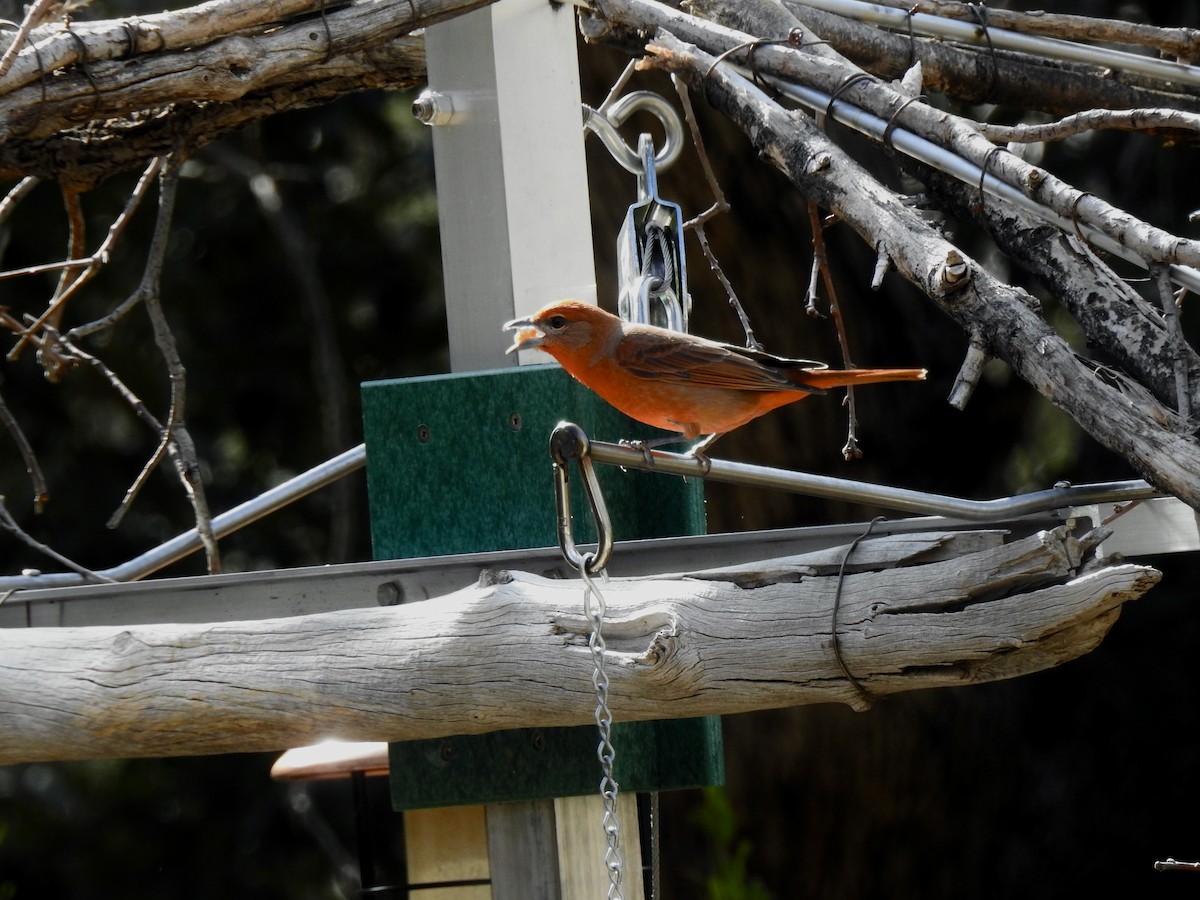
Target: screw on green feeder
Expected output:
[568,441]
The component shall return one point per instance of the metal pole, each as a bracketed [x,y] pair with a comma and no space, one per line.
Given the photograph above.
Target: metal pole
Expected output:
[918,502]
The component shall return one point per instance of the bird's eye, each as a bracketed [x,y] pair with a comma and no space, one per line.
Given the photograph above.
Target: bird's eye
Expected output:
[556,322]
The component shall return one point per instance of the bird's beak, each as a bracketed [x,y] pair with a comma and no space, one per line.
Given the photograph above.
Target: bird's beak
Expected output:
[528,336]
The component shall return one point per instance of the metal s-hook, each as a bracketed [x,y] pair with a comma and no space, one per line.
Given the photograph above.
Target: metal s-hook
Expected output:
[604,125]
[568,441]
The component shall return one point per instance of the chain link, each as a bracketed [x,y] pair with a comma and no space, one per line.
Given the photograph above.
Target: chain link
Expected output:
[594,608]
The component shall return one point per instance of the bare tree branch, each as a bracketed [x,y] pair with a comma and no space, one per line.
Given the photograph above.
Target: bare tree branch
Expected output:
[970,74]
[1144,120]
[1114,411]
[135,90]
[176,433]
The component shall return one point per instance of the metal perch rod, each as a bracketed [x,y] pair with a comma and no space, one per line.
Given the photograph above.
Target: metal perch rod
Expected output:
[573,442]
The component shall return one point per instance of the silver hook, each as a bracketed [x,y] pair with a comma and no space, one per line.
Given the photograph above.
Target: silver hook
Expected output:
[605,124]
[568,441]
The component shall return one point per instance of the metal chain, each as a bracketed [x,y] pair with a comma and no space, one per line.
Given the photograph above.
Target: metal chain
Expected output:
[594,608]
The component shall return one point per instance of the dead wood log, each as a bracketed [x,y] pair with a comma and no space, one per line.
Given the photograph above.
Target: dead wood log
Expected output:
[901,613]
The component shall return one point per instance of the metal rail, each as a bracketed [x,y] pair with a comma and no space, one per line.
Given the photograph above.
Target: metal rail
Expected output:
[573,442]
[576,443]
[317,589]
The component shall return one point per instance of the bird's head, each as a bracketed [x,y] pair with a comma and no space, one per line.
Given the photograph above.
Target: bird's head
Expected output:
[565,327]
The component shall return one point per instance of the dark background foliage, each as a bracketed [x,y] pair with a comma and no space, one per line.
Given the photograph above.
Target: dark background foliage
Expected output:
[1073,780]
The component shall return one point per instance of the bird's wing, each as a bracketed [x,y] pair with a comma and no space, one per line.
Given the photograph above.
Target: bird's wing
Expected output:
[684,359]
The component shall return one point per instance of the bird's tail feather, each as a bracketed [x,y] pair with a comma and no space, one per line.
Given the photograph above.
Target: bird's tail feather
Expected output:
[832,378]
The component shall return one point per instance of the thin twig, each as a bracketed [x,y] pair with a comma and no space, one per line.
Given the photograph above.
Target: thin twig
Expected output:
[619,85]
[53,362]
[9,524]
[1166,295]
[40,491]
[851,450]
[185,459]
[91,265]
[33,17]
[166,444]
[76,247]
[1092,120]
[42,269]
[719,205]
[751,341]
[16,195]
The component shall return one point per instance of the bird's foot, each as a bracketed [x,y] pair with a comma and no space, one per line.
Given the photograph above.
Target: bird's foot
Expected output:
[700,453]
[648,444]
[644,447]
[701,457]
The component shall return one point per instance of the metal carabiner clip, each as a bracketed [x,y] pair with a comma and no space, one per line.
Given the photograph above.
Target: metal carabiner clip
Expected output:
[568,441]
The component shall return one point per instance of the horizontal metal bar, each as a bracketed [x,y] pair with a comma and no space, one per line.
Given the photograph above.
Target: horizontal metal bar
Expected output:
[903,499]
[974,33]
[302,591]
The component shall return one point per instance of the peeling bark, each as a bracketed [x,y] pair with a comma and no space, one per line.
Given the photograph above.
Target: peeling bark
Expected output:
[913,612]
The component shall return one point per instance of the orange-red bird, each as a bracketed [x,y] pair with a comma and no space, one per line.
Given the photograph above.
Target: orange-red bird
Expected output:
[678,382]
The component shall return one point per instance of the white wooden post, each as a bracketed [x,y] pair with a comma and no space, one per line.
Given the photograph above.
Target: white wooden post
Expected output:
[513,208]
[511,179]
